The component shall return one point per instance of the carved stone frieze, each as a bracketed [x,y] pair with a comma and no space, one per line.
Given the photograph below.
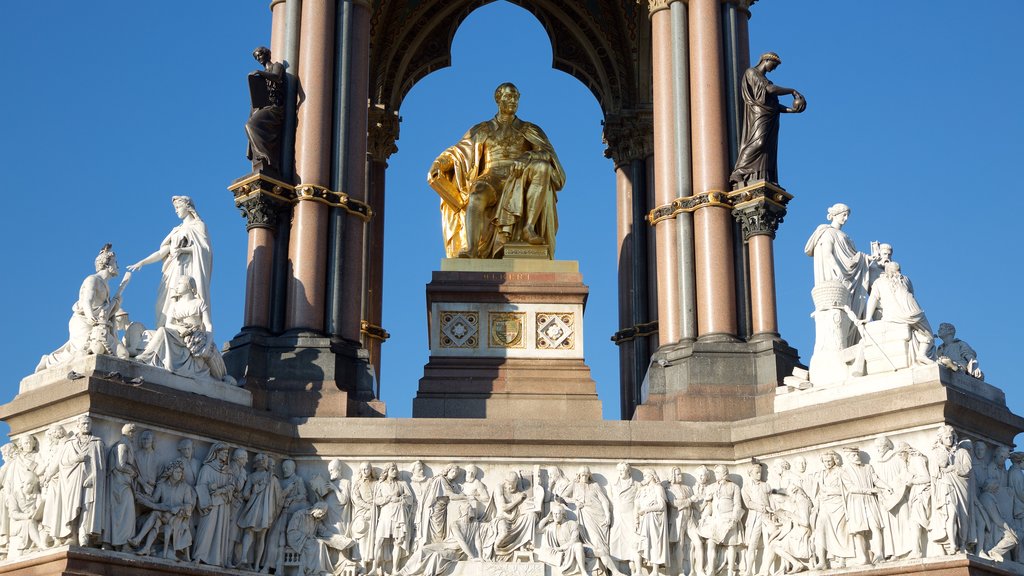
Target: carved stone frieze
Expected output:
[186,499]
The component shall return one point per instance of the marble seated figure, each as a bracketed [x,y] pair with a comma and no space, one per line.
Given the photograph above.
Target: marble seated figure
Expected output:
[91,327]
[184,344]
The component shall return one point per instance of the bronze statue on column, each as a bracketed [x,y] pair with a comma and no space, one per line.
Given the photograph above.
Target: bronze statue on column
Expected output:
[758,157]
[266,121]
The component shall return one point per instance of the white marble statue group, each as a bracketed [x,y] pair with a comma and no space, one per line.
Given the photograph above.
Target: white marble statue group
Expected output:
[867,319]
[232,511]
[182,341]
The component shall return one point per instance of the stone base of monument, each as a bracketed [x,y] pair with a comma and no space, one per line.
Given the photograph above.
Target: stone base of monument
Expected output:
[715,381]
[506,341]
[312,375]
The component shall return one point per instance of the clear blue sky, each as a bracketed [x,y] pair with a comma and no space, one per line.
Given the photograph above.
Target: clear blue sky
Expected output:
[110,108]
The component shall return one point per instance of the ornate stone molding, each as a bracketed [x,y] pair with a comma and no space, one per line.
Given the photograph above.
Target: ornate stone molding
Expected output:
[383,131]
[259,198]
[757,193]
[271,190]
[759,217]
[629,136]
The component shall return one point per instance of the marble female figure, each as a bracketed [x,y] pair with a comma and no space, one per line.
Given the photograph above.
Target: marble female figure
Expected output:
[214,490]
[185,251]
[836,259]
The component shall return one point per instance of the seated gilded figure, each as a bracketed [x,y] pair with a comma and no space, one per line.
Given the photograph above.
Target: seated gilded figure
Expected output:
[498,185]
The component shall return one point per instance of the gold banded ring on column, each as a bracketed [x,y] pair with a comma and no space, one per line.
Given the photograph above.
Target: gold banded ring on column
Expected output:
[636,331]
[688,204]
[324,195]
[373,331]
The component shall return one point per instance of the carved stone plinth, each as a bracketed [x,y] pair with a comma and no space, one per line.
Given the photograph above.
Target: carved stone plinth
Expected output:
[714,381]
[302,375]
[506,340]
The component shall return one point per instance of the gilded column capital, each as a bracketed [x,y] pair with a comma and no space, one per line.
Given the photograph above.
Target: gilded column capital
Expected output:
[383,128]
[759,219]
[260,211]
[629,136]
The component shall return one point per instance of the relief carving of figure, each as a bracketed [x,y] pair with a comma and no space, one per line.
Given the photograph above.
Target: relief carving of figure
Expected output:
[418,483]
[891,467]
[651,522]
[145,462]
[294,497]
[236,466]
[562,547]
[594,514]
[464,541]
[760,526]
[623,494]
[863,516]
[515,515]
[262,494]
[393,533]
[498,184]
[793,543]
[303,536]
[683,512]
[172,503]
[832,542]
[22,493]
[364,513]
[723,525]
[949,464]
[215,489]
[433,521]
[919,500]
[122,477]
[77,516]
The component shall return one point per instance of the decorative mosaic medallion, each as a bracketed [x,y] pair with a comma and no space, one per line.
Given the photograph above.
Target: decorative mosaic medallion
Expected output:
[460,329]
[555,331]
[506,330]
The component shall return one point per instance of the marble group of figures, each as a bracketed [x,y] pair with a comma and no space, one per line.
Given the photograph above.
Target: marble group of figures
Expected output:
[182,341]
[857,296]
[251,512]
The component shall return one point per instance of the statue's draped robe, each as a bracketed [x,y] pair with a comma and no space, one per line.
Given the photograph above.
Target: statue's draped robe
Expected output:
[121,484]
[897,538]
[758,156]
[831,514]
[214,490]
[197,263]
[77,501]
[623,535]
[469,166]
[652,528]
[953,497]
[557,548]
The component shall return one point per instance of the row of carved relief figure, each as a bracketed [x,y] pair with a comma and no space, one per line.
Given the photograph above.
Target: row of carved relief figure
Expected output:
[954,497]
[182,341]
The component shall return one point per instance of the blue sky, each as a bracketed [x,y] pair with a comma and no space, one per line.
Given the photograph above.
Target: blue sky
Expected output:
[111,108]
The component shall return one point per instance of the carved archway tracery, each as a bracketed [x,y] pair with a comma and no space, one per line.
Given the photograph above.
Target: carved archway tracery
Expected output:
[598,42]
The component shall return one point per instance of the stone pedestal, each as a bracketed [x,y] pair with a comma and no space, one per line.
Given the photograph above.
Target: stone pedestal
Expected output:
[506,341]
[302,375]
[714,381]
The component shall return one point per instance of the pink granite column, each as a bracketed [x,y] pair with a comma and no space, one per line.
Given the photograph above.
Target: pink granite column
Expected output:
[665,177]
[307,251]
[277,27]
[762,285]
[713,241]
[257,278]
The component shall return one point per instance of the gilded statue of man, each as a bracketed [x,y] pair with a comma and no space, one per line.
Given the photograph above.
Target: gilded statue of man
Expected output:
[498,184]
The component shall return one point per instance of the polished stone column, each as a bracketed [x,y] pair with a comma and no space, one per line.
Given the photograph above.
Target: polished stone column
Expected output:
[261,222]
[684,177]
[308,255]
[356,241]
[665,172]
[629,146]
[336,298]
[713,241]
[383,131]
[759,219]
[286,41]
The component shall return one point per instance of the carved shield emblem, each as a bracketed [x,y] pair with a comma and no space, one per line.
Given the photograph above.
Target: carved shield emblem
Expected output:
[506,331]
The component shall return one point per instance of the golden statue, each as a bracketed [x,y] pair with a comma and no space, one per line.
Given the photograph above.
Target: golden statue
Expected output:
[498,185]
